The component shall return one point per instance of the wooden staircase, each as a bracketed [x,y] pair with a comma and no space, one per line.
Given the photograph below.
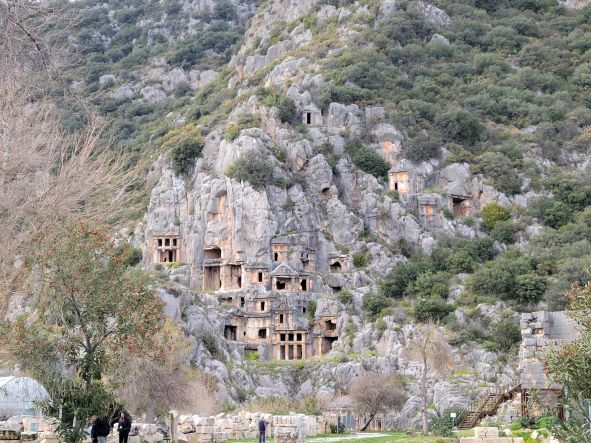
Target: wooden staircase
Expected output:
[487,405]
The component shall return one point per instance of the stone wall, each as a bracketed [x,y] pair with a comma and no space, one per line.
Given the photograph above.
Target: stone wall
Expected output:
[540,331]
[222,427]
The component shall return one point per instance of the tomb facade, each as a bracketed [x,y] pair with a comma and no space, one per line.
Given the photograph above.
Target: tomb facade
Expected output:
[405,178]
[312,116]
[166,248]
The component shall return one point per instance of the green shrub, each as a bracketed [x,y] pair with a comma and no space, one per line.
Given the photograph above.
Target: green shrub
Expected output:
[374,303]
[129,255]
[429,284]
[461,126]
[504,231]
[243,121]
[286,108]
[493,213]
[461,262]
[570,190]
[498,278]
[253,168]
[500,169]
[546,422]
[396,282]
[232,132]
[360,259]
[210,343]
[530,288]
[516,426]
[551,213]
[441,425]
[184,154]
[311,311]
[504,334]
[345,297]
[367,159]
[432,308]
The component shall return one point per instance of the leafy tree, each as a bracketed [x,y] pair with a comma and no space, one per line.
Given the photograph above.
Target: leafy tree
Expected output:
[498,278]
[367,159]
[493,213]
[442,424]
[461,261]
[396,282]
[360,259]
[569,366]
[93,314]
[376,393]
[552,213]
[286,108]
[429,284]
[374,303]
[433,308]
[461,126]
[530,287]
[500,169]
[184,154]
[252,168]
[504,231]
[505,333]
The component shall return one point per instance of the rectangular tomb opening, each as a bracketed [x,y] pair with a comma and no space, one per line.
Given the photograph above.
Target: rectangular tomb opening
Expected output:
[400,182]
[327,343]
[460,206]
[212,280]
[230,332]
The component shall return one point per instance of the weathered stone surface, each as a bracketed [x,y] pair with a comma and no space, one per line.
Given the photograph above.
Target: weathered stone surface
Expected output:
[433,14]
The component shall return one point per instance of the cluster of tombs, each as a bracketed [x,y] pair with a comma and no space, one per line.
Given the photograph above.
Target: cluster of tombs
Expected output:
[407,180]
[269,303]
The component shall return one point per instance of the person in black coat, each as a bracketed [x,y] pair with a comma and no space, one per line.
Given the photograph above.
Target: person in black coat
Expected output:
[262,430]
[100,429]
[123,426]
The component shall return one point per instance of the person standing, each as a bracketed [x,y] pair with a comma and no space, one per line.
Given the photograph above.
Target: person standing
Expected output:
[262,430]
[124,426]
[100,429]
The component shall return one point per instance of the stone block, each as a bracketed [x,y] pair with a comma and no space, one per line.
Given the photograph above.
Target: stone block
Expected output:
[9,434]
[470,440]
[28,436]
[482,432]
[187,427]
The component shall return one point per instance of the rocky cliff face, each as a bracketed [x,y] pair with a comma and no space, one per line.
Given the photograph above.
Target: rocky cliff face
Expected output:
[262,267]
[304,196]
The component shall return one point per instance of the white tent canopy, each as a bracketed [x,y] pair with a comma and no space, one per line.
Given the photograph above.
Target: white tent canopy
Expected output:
[18,394]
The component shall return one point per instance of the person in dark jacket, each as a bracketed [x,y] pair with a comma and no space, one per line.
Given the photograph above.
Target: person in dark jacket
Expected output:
[100,429]
[262,430]
[124,426]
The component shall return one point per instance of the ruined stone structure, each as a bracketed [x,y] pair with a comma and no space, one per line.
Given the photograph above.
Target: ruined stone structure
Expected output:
[429,208]
[286,428]
[540,332]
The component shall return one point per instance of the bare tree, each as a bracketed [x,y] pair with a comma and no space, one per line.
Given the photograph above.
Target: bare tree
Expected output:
[156,386]
[430,348]
[376,393]
[47,178]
